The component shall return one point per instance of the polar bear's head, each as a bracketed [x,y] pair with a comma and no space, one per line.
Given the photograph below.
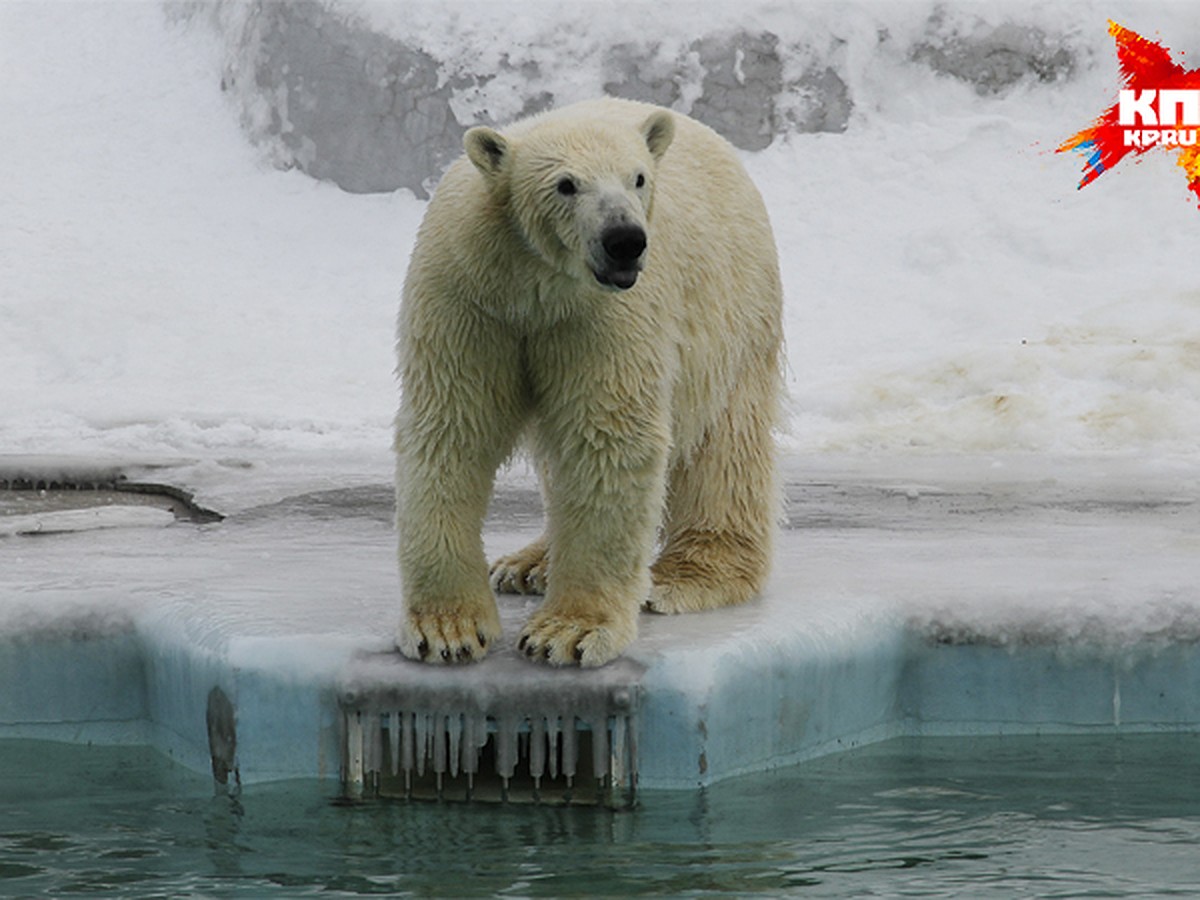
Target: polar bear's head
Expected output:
[579,192]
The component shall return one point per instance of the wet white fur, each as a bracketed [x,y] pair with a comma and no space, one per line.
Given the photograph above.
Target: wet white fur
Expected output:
[649,410]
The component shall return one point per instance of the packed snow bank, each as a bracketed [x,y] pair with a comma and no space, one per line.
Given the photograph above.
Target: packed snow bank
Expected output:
[163,289]
[376,96]
[167,290]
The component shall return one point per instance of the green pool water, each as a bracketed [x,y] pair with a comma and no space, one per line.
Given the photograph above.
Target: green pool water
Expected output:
[1001,817]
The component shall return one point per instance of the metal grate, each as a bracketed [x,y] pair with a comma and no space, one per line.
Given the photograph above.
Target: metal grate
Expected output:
[583,754]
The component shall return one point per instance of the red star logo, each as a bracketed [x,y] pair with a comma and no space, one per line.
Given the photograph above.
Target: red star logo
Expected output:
[1158,107]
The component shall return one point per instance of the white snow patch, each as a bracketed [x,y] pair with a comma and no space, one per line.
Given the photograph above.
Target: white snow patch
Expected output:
[948,290]
[166,293]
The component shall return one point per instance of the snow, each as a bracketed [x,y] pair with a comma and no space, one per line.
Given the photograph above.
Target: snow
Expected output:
[948,290]
[63,521]
[166,293]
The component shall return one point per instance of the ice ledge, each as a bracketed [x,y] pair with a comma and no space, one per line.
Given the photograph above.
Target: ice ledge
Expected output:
[914,602]
[707,714]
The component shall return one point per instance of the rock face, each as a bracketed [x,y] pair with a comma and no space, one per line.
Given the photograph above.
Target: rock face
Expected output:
[363,110]
[374,109]
[993,59]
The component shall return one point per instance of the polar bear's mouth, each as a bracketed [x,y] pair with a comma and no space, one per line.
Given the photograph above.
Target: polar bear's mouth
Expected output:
[622,247]
[621,279]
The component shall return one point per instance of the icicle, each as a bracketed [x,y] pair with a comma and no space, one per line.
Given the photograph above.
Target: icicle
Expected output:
[553,730]
[618,772]
[421,721]
[570,746]
[475,735]
[407,744]
[506,746]
[394,740]
[600,756]
[537,749]
[469,754]
[506,749]
[439,744]
[373,747]
[354,755]
[454,732]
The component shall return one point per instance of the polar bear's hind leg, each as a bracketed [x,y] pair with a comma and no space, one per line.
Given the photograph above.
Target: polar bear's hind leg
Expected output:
[722,504]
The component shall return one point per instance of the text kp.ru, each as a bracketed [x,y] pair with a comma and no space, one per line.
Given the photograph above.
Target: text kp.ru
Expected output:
[1154,117]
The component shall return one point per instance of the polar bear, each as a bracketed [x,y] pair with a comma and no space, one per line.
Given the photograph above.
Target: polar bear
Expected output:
[602,282]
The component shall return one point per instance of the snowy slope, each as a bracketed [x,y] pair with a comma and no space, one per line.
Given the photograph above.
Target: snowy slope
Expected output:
[165,290]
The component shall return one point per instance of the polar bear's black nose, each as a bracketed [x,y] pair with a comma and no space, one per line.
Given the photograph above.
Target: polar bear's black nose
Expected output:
[624,244]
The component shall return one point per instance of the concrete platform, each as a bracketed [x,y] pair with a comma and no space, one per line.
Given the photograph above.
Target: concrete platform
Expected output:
[929,597]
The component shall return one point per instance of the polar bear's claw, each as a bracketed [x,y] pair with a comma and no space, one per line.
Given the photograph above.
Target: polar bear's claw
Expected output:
[583,640]
[523,572]
[448,636]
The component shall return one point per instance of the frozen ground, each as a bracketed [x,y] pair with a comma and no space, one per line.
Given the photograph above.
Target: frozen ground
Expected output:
[933,601]
[168,294]
[994,379]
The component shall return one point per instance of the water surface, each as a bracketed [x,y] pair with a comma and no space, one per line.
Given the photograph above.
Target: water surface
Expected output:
[1002,817]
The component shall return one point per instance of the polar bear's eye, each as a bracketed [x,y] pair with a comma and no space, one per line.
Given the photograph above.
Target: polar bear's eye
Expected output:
[641,181]
[566,187]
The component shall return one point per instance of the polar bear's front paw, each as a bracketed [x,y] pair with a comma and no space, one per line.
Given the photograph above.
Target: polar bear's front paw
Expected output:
[449,634]
[587,639]
[523,572]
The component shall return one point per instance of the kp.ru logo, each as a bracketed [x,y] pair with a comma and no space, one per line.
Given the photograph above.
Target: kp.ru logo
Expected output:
[1174,108]
[1159,107]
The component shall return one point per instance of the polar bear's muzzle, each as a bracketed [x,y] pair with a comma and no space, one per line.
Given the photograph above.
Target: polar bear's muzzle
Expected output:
[622,246]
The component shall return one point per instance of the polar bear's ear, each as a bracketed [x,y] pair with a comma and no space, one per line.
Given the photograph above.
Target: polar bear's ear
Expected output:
[659,131]
[486,148]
